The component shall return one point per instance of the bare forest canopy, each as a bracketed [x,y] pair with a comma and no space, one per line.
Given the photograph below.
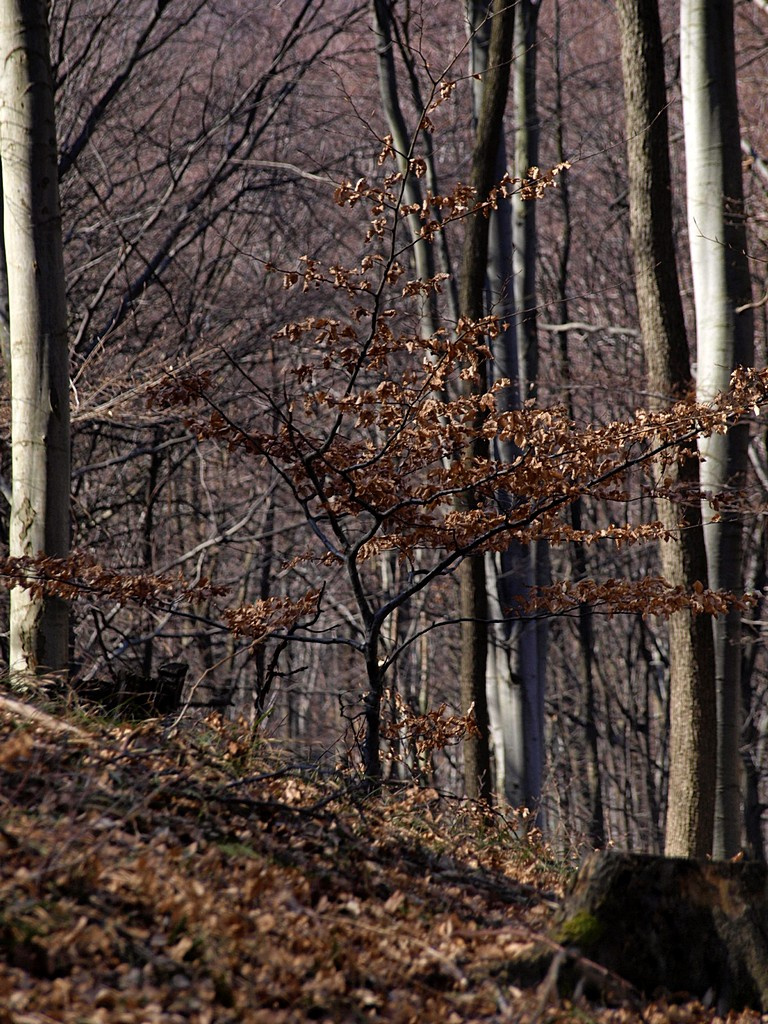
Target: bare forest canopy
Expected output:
[301,435]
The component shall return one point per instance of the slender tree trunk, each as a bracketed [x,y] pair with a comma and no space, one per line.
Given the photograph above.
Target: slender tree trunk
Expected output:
[724,337]
[402,140]
[38,328]
[509,654]
[478,782]
[591,781]
[5,313]
[472,577]
[535,556]
[372,711]
[754,732]
[148,537]
[410,54]
[690,811]
[524,211]
[515,666]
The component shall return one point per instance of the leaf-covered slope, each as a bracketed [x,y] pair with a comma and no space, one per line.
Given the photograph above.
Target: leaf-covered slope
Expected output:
[196,878]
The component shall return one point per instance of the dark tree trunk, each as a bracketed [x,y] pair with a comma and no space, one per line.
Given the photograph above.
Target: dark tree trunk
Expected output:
[667,923]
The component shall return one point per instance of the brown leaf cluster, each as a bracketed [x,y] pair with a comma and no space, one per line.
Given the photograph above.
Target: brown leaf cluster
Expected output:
[392,459]
[651,595]
[264,617]
[396,450]
[435,211]
[435,730]
[78,575]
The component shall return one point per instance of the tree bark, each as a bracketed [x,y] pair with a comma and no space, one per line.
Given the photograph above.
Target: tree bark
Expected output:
[591,775]
[524,211]
[690,810]
[478,783]
[402,140]
[502,676]
[535,557]
[472,578]
[38,329]
[516,654]
[721,285]
[681,925]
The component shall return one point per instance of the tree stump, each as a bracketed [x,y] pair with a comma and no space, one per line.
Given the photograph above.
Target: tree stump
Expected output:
[699,927]
[131,696]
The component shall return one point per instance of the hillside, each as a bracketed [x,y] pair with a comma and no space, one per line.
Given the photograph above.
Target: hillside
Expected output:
[167,876]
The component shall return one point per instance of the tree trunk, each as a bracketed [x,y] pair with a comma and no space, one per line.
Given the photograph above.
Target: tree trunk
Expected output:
[38,329]
[372,711]
[5,321]
[534,557]
[671,923]
[591,775]
[692,696]
[478,783]
[423,251]
[515,666]
[724,338]
[472,578]
[502,684]
[524,211]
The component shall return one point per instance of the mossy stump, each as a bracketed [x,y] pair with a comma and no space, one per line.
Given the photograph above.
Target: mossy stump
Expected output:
[673,925]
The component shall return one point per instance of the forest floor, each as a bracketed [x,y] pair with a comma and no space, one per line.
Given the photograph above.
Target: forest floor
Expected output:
[197,876]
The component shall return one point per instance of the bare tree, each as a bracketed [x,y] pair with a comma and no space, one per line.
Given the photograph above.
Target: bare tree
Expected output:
[38,329]
[177,161]
[690,810]
[724,339]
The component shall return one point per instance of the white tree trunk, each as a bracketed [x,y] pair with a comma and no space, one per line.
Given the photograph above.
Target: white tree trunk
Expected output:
[724,341]
[517,649]
[38,328]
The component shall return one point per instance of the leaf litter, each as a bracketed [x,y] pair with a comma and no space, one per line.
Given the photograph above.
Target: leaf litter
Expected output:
[199,876]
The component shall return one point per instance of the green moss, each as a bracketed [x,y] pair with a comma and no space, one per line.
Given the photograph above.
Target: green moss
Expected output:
[582,929]
[238,850]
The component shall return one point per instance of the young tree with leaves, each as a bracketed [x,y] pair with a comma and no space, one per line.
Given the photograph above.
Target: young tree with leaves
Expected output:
[375,457]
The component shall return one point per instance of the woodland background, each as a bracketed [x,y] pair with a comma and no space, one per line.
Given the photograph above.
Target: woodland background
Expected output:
[201,143]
